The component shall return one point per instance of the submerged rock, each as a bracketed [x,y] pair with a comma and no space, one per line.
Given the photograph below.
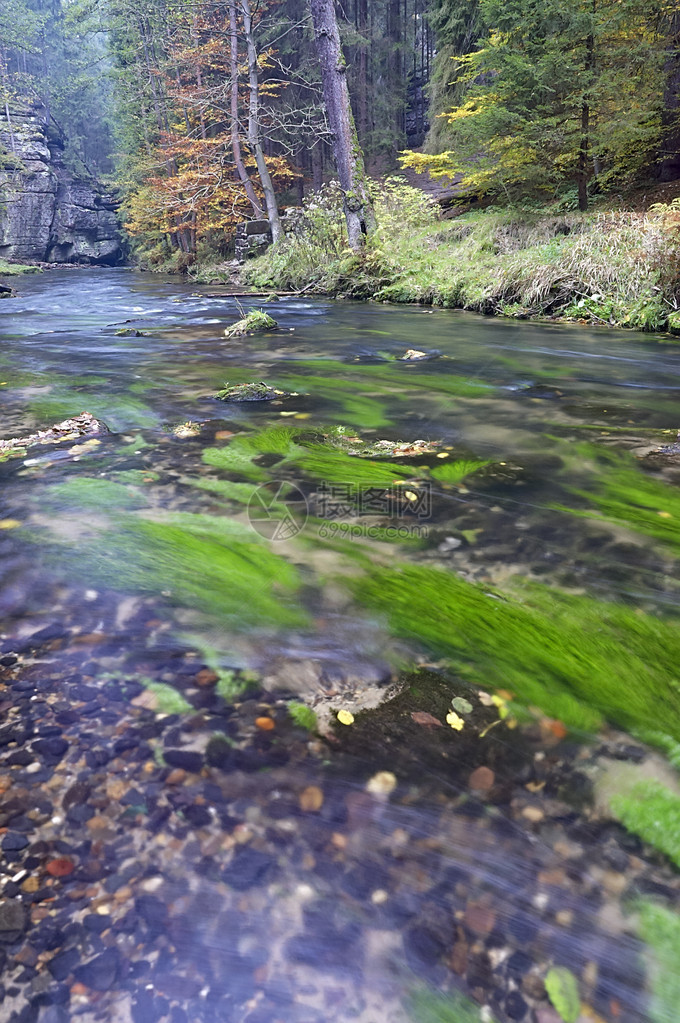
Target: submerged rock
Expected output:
[83,425]
[256,391]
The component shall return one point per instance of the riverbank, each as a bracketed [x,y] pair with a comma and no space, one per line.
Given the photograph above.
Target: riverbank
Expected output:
[609,266]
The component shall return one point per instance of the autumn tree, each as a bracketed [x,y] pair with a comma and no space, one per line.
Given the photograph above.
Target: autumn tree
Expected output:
[559,92]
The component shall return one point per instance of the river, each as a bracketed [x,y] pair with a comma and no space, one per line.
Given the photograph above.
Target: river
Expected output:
[330,707]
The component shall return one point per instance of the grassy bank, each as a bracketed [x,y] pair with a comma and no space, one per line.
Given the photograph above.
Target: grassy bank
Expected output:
[604,267]
[16,269]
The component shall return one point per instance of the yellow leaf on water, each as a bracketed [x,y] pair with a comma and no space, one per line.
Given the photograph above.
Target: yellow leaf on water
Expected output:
[345,717]
[302,415]
[410,496]
[454,720]
[664,515]
[9,523]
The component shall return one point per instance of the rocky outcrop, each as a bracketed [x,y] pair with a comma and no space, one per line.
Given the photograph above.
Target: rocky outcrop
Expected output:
[46,213]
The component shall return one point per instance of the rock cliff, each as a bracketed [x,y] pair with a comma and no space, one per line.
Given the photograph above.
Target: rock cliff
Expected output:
[46,213]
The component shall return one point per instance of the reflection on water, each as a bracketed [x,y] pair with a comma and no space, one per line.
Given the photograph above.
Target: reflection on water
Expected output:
[178,846]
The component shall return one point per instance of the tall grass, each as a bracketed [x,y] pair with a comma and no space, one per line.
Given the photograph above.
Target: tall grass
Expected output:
[617,268]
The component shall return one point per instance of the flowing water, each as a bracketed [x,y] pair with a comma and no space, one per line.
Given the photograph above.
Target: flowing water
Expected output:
[384,537]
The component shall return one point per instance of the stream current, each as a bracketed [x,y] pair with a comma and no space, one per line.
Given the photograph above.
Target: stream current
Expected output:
[177,595]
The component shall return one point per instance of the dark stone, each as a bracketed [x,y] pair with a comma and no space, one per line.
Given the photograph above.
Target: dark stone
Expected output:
[422,947]
[78,793]
[519,963]
[13,921]
[523,928]
[515,1006]
[53,748]
[8,660]
[79,814]
[248,868]
[197,816]
[64,963]
[188,760]
[13,842]
[96,922]
[153,912]
[100,973]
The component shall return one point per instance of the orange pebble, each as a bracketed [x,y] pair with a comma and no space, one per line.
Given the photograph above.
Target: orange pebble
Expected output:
[266,724]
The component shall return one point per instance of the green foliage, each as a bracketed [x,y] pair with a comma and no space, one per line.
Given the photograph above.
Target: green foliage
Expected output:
[651,811]
[562,988]
[507,261]
[548,88]
[16,269]
[169,700]
[303,716]
[660,928]
[573,656]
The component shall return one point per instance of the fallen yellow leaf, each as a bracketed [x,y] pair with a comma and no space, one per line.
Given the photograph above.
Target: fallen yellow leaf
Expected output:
[345,717]
[9,523]
[454,720]
[664,515]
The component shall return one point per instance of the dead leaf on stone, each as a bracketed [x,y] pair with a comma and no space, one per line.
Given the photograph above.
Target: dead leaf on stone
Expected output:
[61,867]
[479,919]
[422,717]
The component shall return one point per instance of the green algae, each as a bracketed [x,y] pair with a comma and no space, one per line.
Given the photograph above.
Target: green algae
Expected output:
[624,494]
[659,927]
[239,455]
[118,411]
[93,494]
[425,1006]
[169,701]
[651,811]
[455,472]
[255,321]
[577,658]
[335,466]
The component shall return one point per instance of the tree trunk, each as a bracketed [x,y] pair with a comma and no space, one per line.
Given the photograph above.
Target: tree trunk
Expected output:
[349,158]
[669,163]
[584,147]
[235,138]
[254,127]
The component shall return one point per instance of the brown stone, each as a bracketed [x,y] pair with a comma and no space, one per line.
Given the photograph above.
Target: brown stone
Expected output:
[206,677]
[311,799]
[479,919]
[482,779]
[176,776]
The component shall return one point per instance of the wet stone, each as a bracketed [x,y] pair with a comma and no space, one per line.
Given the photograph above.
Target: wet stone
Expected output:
[13,841]
[64,963]
[13,921]
[100,973]
[187,760]
[249,867]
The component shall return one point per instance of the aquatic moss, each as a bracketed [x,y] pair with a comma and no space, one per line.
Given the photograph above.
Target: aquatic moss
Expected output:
[425,1006]
[86,492]
[302,715]
[238,456]
[575,657]
[335,466]
[455,472]
[169,701]
[623,493]
[118,411]
[660,929]
[216,566]
[651,811]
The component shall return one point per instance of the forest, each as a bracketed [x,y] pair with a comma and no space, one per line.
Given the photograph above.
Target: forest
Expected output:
[202,114]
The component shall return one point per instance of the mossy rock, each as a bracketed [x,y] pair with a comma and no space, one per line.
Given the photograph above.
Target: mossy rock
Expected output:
[255,391]
[254,322]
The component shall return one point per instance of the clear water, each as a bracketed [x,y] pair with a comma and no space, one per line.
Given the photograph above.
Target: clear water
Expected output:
[536,406]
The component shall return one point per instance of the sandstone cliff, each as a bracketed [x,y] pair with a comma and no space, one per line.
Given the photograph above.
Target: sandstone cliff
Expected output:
[46,213]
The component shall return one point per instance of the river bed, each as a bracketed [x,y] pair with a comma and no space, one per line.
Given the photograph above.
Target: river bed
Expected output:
[319,708]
